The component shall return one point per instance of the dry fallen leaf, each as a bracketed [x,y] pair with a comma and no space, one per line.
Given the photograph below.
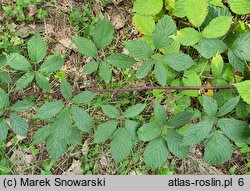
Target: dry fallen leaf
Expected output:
[74,169]
[31,10]
[68,43]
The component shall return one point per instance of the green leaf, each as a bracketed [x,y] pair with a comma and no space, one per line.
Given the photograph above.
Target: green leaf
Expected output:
[90,67]
[217,65]
[218,3]
[4,98]
[18,62]
[3,60]
[55,147]
[149,132]
[210,106]
[236,62]
[82,119]
[3,129]
[103,33]
[198,132]
[18,125]
[176,145]
[144,69]
[241,46]
[180,119]
[240,7]
[244,90]
[21,106]
[148,7]
[242,109]
[156,153]
[139,49]
[104,131]
[218,149]
[121,144]
[178,61]
[110,111]
[5,78]
[144,24]
[85,46]
[37,49]
[121,60]
[49,110]
[196,11]
[25,80]
[235,130]
[66,90]
[134,111]
[42,82]
[187,36]
[179,8]
[163,29]
[191,79]
[218,27]
[208,48]
[160,73]
[214,12]
[62,125]
[53,63]
[105,72]
[75,137]
[160,114]
[132,127]
[228,106]
[83,97]
[43,133]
